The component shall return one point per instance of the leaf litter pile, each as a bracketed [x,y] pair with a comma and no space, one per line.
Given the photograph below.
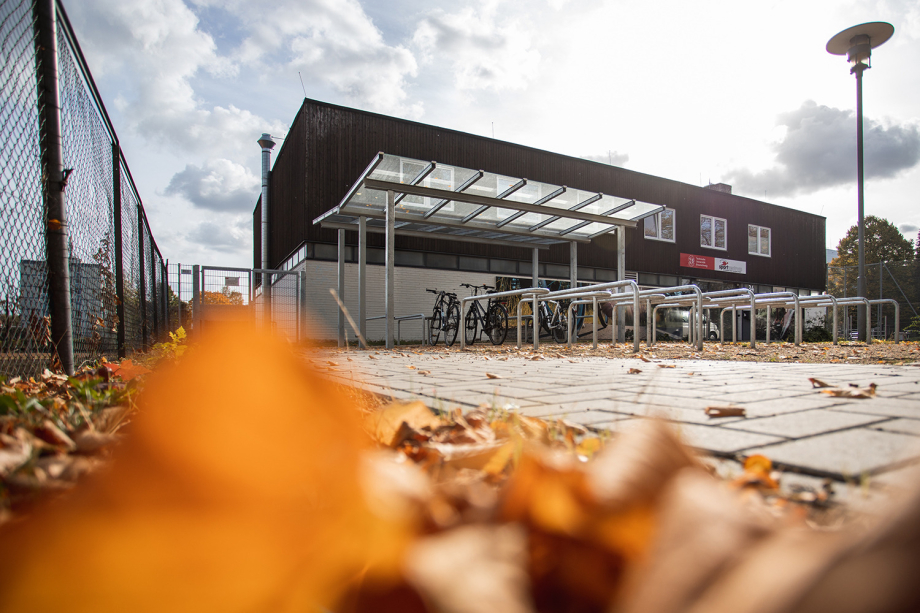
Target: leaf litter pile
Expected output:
[879,352]
[247,482]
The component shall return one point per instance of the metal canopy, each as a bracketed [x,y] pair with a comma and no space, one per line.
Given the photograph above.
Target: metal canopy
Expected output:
[455,203]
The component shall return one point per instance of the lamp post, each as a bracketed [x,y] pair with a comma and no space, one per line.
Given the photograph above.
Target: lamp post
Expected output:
[857,44]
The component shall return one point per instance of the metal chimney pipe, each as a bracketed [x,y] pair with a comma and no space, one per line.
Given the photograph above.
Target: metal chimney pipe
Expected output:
[267,145]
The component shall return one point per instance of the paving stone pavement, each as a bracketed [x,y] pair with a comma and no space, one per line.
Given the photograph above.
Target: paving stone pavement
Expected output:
[788,420]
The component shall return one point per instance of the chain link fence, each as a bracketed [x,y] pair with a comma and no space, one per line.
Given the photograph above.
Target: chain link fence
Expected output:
[898,281]
[118,282]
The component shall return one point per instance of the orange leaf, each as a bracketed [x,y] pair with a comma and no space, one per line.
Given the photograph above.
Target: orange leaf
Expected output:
[128,370]
[204,508]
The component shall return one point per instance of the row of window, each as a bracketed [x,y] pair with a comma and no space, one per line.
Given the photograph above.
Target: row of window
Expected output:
[713,232]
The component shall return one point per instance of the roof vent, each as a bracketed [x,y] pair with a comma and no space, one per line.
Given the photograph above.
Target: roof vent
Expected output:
[720,187]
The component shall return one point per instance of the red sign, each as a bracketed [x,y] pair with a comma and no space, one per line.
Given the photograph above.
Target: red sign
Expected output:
[697,261]
[708,263]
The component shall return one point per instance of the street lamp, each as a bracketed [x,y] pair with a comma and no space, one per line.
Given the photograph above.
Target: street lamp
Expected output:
[857,44]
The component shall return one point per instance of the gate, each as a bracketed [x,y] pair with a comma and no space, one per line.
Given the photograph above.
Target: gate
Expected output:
[273,298]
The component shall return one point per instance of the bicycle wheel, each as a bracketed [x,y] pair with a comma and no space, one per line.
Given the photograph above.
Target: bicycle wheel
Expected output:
[498,323]
[434,327]
[472,324]
[452,325]
[561,329]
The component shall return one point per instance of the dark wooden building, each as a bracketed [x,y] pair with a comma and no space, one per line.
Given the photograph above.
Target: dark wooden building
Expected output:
[329,146]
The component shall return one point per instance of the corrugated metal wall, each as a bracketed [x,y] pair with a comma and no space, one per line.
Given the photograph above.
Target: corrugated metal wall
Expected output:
[329,146]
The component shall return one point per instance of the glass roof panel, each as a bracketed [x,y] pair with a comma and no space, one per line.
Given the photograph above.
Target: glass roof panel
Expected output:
[516,225]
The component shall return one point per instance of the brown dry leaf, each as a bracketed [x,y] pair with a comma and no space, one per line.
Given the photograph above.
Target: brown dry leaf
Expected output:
[331,363]
[701,533]
[53,435]
[667,366]
[263,517]
[633,371]
[725,411]
[474,455]
[472,569]
[589,446]
[757,473]
[818,383]
[386,423]
[91,441]
[644,359]
[128,370]
[424,372]
[537,357]
[14,451]
[409,366]
[491,376]
[637,467]
[864,392]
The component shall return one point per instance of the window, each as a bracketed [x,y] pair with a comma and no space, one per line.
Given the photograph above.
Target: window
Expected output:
[759,240]
[713,232]
[660,226]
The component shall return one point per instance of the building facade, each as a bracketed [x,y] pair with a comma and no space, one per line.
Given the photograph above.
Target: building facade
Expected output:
[706,235]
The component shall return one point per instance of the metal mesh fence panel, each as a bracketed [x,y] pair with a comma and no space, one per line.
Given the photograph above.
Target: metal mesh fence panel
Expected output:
[94,188]
[87,152]
[25,325]
[899,281]
[132,272]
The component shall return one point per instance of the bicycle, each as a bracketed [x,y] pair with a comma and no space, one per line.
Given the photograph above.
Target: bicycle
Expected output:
[492,319]
[553,320]
[445,316]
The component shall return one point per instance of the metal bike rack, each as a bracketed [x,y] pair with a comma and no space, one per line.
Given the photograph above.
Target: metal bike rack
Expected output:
[586,292]
[525,292]
[399,321]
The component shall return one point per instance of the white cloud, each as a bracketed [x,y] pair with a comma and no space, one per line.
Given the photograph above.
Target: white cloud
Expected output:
[486,47]
[220,185]
[333,43]
[224,237]
[818,150]
[159,52]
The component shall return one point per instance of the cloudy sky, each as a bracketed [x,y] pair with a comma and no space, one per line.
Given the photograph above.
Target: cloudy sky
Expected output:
[697,91]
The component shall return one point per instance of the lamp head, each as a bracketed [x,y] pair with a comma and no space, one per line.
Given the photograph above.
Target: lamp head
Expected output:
[857,42]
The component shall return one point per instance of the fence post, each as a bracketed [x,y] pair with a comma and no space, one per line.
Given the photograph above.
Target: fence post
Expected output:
[154,295]
[196,300]
[142,301]
[164,271]
[119,252]
[54,181]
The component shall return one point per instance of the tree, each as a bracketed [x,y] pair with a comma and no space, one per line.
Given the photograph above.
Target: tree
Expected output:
[883,242]
[225,296]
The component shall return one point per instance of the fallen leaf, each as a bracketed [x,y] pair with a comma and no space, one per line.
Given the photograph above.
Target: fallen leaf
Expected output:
[633,371]
[865,392]
[386,423]
[644,359]
[410,367]
[491,376]
[818,383]
[424,372]
[725,411]
[128,370]
[667,366]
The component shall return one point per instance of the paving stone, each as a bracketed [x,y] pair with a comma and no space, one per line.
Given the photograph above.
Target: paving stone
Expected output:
[715,438]
[847,453]
[906,426]
[804,423]
[892,407]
